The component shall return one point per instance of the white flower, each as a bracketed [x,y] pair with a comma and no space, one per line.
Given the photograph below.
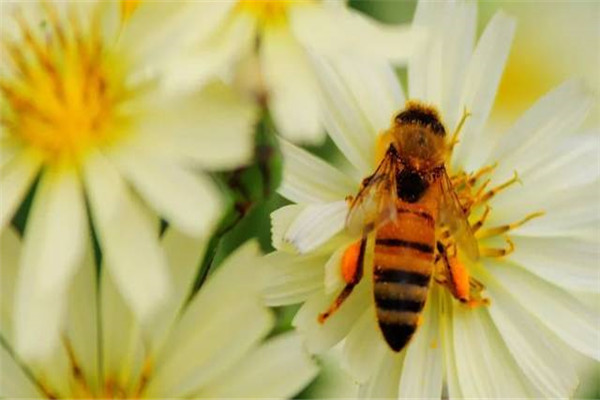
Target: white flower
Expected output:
[84,110]
[210,347]
[278,38]
[515,346]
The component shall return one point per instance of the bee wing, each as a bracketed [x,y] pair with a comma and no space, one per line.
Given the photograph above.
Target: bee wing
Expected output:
[453,216]
[375,203]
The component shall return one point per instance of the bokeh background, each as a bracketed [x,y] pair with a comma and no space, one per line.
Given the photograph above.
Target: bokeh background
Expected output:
[555,41]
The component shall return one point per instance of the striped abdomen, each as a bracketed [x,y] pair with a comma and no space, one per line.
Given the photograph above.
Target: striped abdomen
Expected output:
[403,264]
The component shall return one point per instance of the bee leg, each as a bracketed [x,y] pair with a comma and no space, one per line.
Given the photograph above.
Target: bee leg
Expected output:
[453,275]
[456,278]
[352,270]
[498,252]
[476,298]
[498,230]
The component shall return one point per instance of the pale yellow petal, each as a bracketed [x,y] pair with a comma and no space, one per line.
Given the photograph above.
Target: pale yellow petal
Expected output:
[16,178]
[279,368]
[52,251]
[292,87]
[129,240]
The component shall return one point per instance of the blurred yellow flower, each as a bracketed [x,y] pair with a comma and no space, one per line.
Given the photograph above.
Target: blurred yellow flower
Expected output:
[212,347]
[85,111]
[280,38]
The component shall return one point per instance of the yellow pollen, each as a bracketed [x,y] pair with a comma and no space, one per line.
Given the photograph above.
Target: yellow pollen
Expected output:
[59,94]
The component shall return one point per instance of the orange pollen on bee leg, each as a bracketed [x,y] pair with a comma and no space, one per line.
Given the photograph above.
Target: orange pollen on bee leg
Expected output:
[350,262]
[460,278]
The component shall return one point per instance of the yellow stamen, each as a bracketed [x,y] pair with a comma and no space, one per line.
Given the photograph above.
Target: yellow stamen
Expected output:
[498,252]
[498,230]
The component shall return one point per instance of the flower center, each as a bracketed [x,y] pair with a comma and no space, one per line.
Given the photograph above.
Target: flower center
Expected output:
[267,11]
[59,91]
[127,384]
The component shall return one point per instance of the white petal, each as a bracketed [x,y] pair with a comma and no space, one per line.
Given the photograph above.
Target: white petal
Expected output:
[308,179]
[360,100]
[373,39]
[279,368]
[566,211]
[15,179]
[291,278]
[293,90]
[215,56]
[364,348]
[212,128]
[281,220]
[129,240]
[436,72]
[52,251]
[480,87]
[352,33]
[571,177]
[423,365]
[222,323]
[189,201]
[373,88]
[320,337]
[449,350]
[384,384]
[14,381]
[562,313]
[316,224]
[458,42]
[184,254]
[560,112]
[484,366]
[220,128]
[567,262]
[559,165]
[146,37]
[122,345]
[542,362]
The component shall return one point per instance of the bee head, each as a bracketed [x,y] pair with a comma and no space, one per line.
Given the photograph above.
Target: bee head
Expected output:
[419,135]
[423,116]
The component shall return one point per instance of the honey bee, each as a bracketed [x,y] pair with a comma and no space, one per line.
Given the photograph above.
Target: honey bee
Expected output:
[405,204]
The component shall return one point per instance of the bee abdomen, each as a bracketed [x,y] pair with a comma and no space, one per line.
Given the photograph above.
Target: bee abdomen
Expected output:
[403,264]
[400,296]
